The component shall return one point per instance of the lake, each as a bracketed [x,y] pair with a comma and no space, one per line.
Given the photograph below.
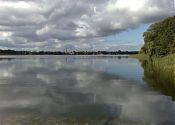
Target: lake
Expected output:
[80,90]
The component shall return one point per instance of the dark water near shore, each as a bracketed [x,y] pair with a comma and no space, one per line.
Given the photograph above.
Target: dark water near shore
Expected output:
[79,90]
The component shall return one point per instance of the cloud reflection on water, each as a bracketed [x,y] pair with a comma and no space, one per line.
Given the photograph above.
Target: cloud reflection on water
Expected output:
[81,87]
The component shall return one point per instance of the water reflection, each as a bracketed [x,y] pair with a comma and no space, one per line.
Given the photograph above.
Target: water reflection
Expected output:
[71,90]
[158,78]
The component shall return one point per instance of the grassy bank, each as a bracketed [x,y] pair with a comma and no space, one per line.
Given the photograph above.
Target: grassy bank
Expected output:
[167,62]
[159,73]
[140,56]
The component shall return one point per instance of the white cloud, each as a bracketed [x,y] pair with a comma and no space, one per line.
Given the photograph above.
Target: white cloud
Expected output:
[43,30]
[133,5]
[18,4]
[5,34]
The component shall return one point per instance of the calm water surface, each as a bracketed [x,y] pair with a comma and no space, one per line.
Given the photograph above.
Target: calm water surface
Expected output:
[75,90]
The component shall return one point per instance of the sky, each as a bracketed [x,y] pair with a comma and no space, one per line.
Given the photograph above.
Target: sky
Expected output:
[76,25]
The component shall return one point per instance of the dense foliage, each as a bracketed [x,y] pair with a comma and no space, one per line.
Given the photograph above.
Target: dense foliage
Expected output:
[160,38]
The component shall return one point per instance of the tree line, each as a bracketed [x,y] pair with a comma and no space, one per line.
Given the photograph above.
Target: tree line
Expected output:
[14,52]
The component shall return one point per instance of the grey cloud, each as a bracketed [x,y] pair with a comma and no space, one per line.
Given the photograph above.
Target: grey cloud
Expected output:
[66,20]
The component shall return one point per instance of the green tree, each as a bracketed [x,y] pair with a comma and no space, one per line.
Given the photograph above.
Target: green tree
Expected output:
[160,38]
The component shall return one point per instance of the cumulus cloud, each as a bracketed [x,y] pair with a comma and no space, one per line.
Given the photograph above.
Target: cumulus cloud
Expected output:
[57,23]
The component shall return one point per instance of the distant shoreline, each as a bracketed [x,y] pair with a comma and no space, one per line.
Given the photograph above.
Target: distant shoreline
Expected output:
[14,52]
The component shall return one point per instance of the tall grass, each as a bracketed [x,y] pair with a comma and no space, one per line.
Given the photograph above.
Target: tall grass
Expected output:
[165,66]
[159,73]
